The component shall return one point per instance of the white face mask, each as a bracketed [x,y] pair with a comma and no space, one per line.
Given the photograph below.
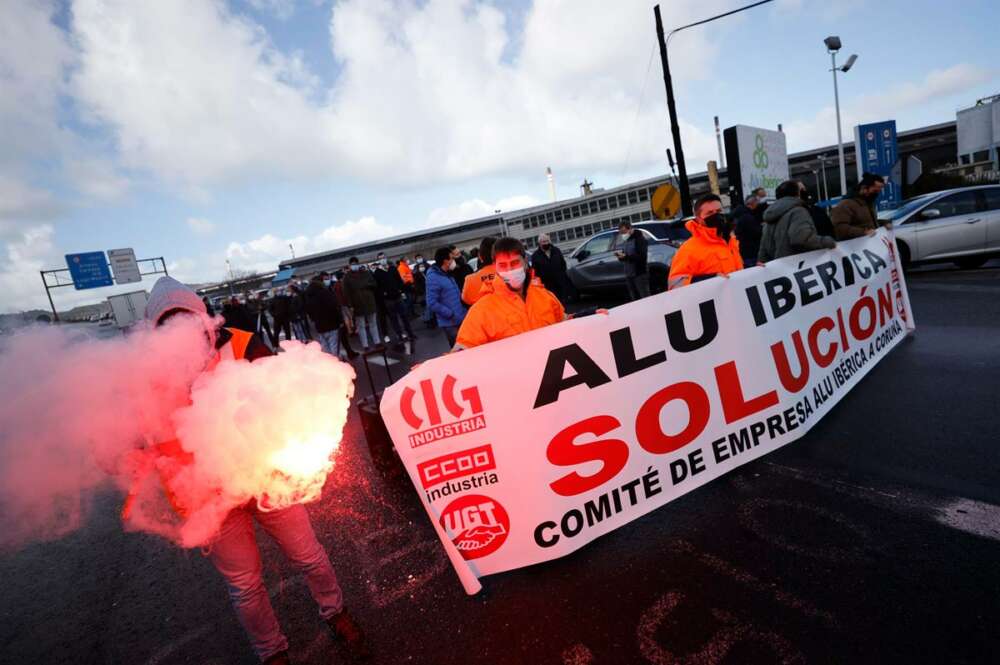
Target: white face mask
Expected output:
[513,278]
[624,237]
[326,282]
[762,199]
[355,267]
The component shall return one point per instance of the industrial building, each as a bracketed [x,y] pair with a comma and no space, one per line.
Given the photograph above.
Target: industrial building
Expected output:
[569,222]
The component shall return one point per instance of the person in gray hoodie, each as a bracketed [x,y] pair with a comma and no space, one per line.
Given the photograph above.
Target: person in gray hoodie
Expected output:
[788,226]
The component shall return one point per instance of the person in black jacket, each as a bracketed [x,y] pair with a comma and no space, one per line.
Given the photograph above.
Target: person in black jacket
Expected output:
[549,265]
[297,313]
[281,310]
[461,270]
[633,253]
[747,224]
[389,285]
[322,307]
[237,316]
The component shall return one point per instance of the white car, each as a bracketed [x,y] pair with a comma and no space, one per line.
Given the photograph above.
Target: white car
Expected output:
[959,225]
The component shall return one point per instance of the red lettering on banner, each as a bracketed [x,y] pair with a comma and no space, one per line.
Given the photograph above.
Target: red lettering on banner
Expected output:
[647,423]
[734,405]
[455,465]
[822,359]
[791,383]
[564,451]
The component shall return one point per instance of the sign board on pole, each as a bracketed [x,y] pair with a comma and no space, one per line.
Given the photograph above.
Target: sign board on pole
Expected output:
[124,265]
[89,270]
[666,201]
[877,152]
[756,157]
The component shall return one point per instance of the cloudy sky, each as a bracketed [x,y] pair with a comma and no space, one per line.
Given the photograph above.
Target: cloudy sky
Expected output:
[204,130]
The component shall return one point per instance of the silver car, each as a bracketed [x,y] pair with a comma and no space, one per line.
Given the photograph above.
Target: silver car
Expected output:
[959,225]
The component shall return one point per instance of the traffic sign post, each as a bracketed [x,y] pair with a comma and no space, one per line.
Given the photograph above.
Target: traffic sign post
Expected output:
[124,266]
[877,152]
[90,270]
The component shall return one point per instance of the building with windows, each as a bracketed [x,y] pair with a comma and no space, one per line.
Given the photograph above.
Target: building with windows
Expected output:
[571,221]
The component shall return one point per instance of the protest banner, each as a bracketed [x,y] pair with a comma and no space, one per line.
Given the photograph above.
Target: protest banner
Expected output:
[525,449]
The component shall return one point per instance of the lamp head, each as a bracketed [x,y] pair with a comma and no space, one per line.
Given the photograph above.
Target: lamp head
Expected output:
[849,63]
[832,43]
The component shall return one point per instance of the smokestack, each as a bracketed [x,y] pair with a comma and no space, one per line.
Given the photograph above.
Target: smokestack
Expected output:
[552,183]
[779,127]
[718,142]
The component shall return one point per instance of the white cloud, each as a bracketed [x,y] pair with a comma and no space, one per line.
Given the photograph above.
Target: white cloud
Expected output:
[200,225]
[938,84]
[27,250]
[473,208]
[264,253]
[425,92]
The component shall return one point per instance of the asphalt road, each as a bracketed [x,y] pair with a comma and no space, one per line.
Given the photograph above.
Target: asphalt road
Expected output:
[874,539]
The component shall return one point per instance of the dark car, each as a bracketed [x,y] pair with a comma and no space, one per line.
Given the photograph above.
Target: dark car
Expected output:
[593,266]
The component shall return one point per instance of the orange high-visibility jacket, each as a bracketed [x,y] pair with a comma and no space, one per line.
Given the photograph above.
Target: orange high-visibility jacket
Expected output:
[479,284]
[235,349]
[704,253]
[405,272]
[504,313]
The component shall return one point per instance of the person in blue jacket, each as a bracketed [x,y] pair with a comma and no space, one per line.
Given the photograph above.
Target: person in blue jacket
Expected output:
[443,295]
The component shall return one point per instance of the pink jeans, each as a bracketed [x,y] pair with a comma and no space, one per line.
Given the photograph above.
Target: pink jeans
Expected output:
[236,556]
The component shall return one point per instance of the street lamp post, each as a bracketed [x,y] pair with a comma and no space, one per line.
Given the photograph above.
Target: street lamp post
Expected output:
[675,129]
[832,46]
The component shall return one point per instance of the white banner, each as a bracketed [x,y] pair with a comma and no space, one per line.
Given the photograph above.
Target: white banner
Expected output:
[525,449]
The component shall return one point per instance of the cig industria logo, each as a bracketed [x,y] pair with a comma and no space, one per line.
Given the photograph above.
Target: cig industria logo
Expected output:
[464,407]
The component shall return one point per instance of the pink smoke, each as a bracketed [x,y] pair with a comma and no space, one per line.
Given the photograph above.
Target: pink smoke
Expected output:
[80,414]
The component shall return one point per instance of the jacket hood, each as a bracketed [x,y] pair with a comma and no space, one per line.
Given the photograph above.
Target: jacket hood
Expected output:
[169,294]
[699,230]
[775,211]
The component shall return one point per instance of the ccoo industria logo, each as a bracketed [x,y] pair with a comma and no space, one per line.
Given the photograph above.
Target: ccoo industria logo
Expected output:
[464,407]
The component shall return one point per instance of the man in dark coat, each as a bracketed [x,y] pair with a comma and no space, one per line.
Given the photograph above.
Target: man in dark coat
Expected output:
[747,225]
[281,310]
[634,254]
[390,287]
[549,265]
[237,316]
[322,307]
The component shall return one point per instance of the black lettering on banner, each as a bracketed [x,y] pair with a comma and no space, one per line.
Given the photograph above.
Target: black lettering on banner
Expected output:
[875,260]
[827,271]
[848,271]
[756,306]
[624,351]
[780,295]
[553,381]
[678,334]
[862,270]
[806,281]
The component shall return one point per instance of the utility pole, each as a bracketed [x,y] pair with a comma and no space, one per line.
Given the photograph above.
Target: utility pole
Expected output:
[686,209]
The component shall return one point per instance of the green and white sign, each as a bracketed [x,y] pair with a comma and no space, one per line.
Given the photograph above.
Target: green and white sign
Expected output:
[759,156]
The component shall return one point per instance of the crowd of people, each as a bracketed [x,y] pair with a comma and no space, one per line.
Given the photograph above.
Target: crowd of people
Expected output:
[498,289]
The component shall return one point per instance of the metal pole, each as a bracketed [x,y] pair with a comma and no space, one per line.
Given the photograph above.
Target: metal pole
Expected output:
[164,263]
[718,143]
[675,129]
[840,140]
[55,314]
[826,186]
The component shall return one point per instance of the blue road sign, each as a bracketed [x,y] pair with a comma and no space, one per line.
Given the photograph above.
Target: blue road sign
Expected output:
[877,152]
[89,270]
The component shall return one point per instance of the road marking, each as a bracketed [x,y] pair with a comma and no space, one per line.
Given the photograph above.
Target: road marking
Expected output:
[975,517]
[717,648]
[749,517]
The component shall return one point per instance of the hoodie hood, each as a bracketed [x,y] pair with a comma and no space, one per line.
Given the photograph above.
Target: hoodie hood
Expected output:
[777,209]
[168,294]
[705,233]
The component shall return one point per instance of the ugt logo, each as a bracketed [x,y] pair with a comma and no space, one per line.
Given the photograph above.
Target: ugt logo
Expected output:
[438,429]
[477,524]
